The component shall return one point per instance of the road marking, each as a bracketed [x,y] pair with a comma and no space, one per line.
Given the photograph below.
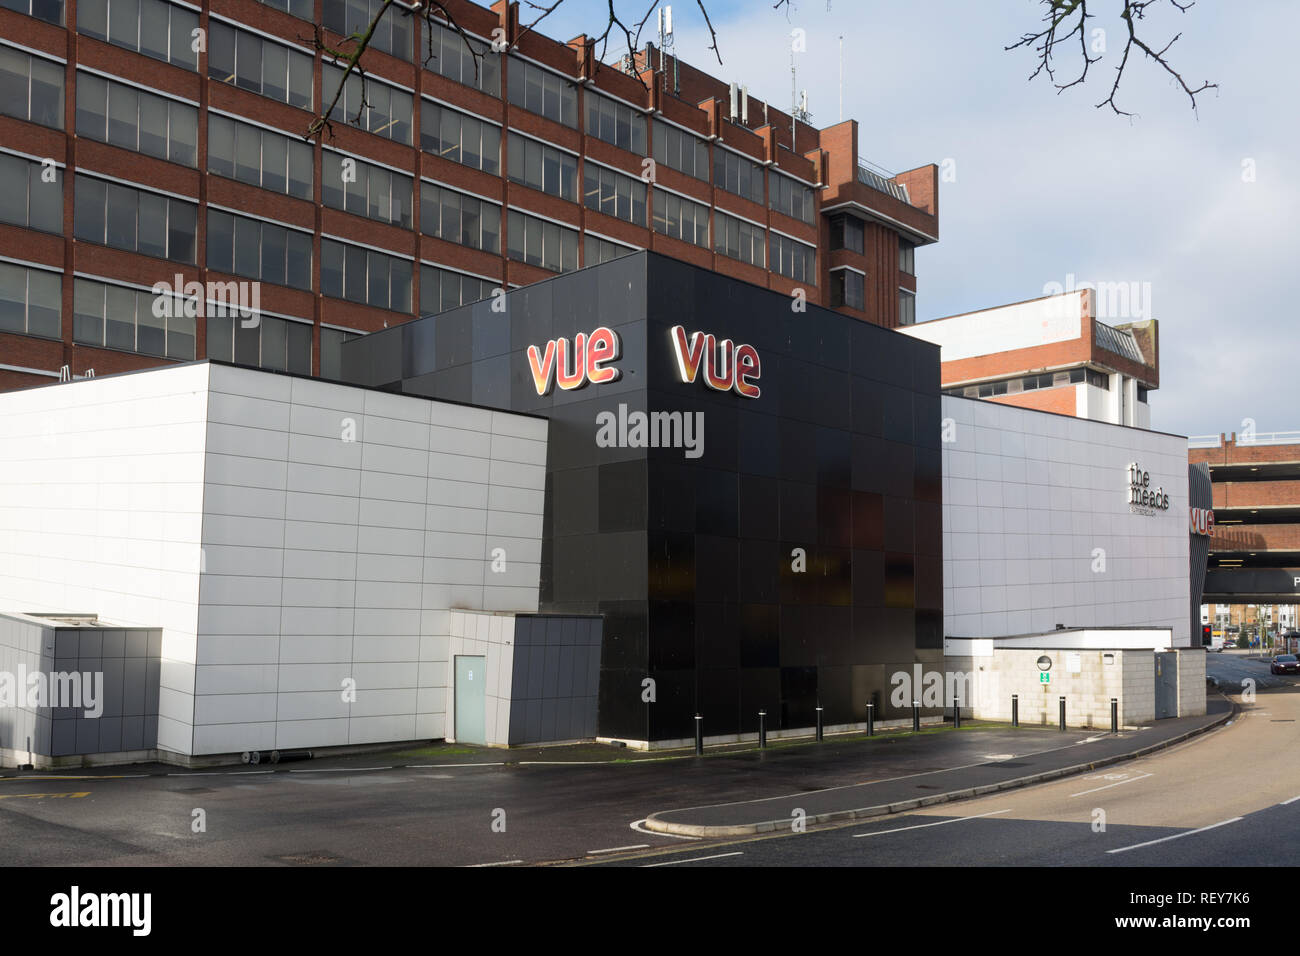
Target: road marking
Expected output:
[922,826]
[442,766]
[620,849]
[636,825]
[88,776]
[1138,846]
[474,866]
[694,859]
[339,769]
[249,773]
[198,773]
[1109,785]
[40,796]
[1285,802]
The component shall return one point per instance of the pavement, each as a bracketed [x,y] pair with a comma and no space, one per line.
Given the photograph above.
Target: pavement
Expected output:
[1028,758]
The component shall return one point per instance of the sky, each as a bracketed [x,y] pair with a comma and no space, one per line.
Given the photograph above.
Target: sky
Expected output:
[1198,210]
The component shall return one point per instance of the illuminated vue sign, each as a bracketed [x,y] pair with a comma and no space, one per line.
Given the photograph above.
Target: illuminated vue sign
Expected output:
[573,365]
[1142,498]
[726,366]
[1203,522]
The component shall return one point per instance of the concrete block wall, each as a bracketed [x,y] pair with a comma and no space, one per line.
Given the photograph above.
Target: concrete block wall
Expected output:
[1191,682]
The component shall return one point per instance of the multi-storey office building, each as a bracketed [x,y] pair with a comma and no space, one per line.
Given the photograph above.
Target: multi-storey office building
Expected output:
[150,141]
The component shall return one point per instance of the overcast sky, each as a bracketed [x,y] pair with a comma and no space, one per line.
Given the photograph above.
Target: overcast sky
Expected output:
[1047,186]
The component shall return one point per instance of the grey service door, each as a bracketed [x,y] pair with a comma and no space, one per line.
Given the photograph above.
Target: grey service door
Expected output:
[471,699]
[1166,685]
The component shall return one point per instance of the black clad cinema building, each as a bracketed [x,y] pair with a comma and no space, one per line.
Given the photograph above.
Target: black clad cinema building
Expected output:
[760,526]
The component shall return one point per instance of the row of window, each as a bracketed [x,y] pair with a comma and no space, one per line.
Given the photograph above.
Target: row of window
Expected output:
[442,289]
[457,217]
[392,34]
[543,92]
[681,218]
[682,151]
[460,137]
[31,301]
[615,123]
[793,198]
[369,104]
[739,239]
[152,27]
[847,232]
[906,307]
[33,198]
[51,11]
[129,320]
[258,156]
[252,62]
[31,88]
[365,189]
[467,61]
[302,9]
[270,342]
[114,215]
[543,167]
[364,275]
[738,175]
[792,259]
[614,194]
[135,119]
[259,250]
[848,288]
[596,250]
[540,242]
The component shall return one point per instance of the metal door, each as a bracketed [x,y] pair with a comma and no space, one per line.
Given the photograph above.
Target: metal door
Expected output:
[1166,684]
[471,699]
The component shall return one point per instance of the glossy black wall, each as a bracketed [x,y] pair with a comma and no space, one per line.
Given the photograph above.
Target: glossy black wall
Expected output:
[692,561]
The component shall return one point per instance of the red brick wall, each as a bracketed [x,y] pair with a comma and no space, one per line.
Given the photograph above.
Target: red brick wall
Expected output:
[1059,400]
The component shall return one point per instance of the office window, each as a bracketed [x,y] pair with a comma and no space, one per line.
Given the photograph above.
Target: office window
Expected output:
[739,239]
[543,92]
[135,220]
[27,199]
[131,320]
[989,389]
[542,167]
[614,194]
[1143,393]
[846,233]
[270,342]
[793,259]
[31,88]
[738,175]
[364,275]
[259,65]
[464,60]
[681,218]
[51,11]
[459,217]
[596,250]
[385,110]
[368,190]
[392,33]
[331,351]
[442,289]
[680,150]
[259,157]
[302,9]
[906,257]
[460,137]
[616,123]
[152,27]
[31,301]
[137,120]
[256,249]
[792,198]
[906,307]
[539,242]
[848,288]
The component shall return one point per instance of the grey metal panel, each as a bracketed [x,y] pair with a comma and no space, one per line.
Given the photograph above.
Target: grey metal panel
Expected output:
[133,733]
[42,737]
[554,631]
[150,731]
[155,643]
[114,643]
[569,631]
[87,735]
[532,721]
[152,676]
[137,643]
[114,678]
[564,719]
[568,653]
[110,734]
[67,643]
[551,676]
[548,720]
[536,667]
[63,738]
[133,685]
[92,643]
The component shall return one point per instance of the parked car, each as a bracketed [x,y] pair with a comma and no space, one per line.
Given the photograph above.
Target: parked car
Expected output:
[1285,664]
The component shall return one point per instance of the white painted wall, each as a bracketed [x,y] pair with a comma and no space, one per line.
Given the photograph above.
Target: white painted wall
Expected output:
[1028,497]
[1057,318]
[101,511]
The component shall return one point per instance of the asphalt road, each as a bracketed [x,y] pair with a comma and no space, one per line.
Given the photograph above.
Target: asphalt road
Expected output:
[1230,797]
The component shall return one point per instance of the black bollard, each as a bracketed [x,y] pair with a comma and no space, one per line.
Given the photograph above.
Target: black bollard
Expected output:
[819,725]
[699,735]
[871,720]
[956,711]
[1062,706]
[762,730]
[916,716]
[1015,710]
[1114,716]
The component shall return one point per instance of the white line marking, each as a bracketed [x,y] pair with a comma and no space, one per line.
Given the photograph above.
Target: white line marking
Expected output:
[248,773]
[1138,846]
[620,849]
[338,769]
[1109,785]
[694,859]
[636,825]
[200,773]
[473,866]
[1285,802]
[443,766]
[922,826]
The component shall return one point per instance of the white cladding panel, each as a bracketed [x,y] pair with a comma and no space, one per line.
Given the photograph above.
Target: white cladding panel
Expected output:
[1038,530]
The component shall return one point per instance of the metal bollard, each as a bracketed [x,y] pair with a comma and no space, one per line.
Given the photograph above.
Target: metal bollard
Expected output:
[1062,706]
[762,730]
[871,720]
[956,711]
[699,735]
[1015,710]
[1114,715]
[819,725]
[916,716]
